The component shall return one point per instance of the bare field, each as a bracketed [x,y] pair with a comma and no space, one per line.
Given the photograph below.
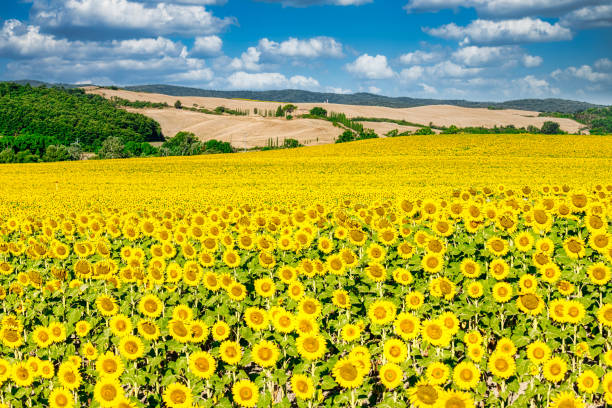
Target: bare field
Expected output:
[254,130]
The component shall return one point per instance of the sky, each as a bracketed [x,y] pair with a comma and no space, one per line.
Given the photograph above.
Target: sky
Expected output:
[482,50]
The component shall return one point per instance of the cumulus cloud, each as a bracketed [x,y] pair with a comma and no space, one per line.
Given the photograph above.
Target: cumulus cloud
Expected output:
[603,64]
[269,80]
[420,57]
[124,15]
[587,72]
[21,40]
[474,56]
[249,60]
[412,73]
[307,48]
[503,32]
[504,8]
[206,46]
[367,66]
[531,61]
[590,17]
[532,86]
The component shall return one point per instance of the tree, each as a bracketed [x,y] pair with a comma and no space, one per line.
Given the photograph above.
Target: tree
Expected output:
[424,131]
[57,153]
[318,111]
[291,143]
[289,108]
[346,136]
[7,156]
[452,130]
[112,148]
[178,105]
[183,144]
[279,112]
[551,128]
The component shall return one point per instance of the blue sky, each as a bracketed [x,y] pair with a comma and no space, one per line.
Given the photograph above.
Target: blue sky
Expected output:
[443,49]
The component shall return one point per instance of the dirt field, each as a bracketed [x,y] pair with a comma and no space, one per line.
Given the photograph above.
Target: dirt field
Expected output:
[255,130]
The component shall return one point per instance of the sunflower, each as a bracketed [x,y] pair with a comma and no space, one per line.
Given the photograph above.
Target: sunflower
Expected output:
[588,382]
[437,373]
[69,376]
[566,399]
[599,273]
[150,306]
[211,281]
[350,332]
[475,290]
[131,347]
[311,346]
[565,288]
[528,283]
[470,268]
[425,395]
[108,392]
[456,399]
[199,331]
[107,306]
[42,337]
[5,370]
[306,324]
[341,299]
[89,351]
[231,258]
[202,364]
[414,300]
[538,352]
[466,375]
[265,353]
[395,351]
[109,365]
[473,338]
[574,247]
[265,287]
[382,312]
[530,303]
[120,325]
[230,352]
[432,263]
[501,365]
[256,318]
[309,306]
[376,272]
[407,326]
[450,322]
[283,321]
[376,252]
[220,331]
[499,269]
[237,291]
[180,330]
[22,375]
[606,383]
[402,276]
[475,352]
[177,395]
[524,241]
[148,329]
[406,250]
[550,272]
[502,292]
[497,246]
[295,290]
[506,346]
[554,369]
[347,374]
[287,274]
[434,332]
[57,331]
[575,311]
[390,375]
[245,393]
[302,386]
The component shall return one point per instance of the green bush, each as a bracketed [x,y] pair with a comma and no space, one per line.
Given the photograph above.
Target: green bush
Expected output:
[318,111]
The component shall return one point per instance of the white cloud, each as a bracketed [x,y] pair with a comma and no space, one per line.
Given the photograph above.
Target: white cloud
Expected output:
[587,73]
[479,56]
[412,73]
[249,60]
[531,61]
[338,90]
[587,17]
[195,75]
[530,86]
[448,69]
[269,80]
[370,67]
[420,57]
[159,18]
[503,32]
[428,89]
[209,45]
[603,64]
[504,8]
[309,48]
[20,40]
[374,90]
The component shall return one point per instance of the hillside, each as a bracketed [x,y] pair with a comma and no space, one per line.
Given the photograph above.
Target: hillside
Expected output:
[297,96]
[63,116]
[248,131]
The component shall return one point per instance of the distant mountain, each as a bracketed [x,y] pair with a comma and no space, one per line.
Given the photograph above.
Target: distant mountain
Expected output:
[35,83]
[296,96]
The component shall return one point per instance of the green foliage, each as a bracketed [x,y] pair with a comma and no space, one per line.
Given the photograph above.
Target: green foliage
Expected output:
[350,136]
[279,112]
[62,153]
[289,108]
[112,148]
[551,128]
[597,120]
[425,131]
[452,130]
[215,146]
[178,105]
[291,144]
[318,111]
[69,115]
[135,149]
[219,110]
[346,136]
[183,144]
[138,104]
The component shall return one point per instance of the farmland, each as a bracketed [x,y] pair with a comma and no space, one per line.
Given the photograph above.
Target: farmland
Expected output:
[446,271]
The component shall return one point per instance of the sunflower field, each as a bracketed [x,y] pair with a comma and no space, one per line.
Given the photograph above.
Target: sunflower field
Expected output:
[366,274]
[497,297]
